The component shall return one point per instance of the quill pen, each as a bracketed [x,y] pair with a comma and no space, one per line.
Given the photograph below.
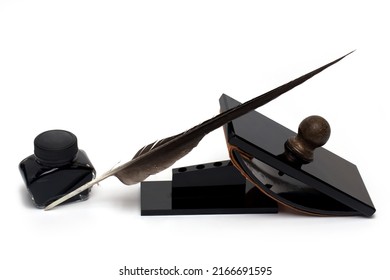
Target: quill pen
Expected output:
[161,154]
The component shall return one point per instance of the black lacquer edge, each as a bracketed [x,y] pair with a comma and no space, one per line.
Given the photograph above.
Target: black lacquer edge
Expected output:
[269,159]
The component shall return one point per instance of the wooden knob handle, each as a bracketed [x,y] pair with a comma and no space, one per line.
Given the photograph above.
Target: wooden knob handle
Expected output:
[313,132]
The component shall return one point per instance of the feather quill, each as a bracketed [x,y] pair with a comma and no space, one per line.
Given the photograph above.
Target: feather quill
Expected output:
[161,154]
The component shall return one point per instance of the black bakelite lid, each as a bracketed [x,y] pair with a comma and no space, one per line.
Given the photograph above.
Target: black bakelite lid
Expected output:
[55,147]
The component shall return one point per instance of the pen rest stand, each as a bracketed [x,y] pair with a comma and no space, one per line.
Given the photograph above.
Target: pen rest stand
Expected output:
[212,188]
[269,165]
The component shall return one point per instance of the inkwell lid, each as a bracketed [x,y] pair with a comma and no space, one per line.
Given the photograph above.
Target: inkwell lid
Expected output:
[55,147]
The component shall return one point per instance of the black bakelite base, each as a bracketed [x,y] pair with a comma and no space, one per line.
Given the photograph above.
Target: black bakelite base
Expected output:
[213,188]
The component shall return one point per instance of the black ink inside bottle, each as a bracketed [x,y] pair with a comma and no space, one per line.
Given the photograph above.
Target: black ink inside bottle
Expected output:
[56,168]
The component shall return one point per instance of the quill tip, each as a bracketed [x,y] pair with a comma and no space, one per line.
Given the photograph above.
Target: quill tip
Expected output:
[53,204]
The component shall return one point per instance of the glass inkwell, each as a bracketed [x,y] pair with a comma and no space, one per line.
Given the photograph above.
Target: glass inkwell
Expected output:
[56,168]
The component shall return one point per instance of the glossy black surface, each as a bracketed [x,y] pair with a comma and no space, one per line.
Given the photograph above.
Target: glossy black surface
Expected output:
[56,168]
[329,178]
[212,188]
[48,183]
[216,179]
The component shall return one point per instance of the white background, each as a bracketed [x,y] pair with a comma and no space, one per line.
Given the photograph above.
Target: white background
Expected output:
[120,74]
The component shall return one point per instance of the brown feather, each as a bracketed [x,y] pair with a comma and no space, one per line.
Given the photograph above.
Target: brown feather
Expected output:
[160,155]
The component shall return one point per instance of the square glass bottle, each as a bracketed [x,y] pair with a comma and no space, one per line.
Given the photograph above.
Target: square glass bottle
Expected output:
[56,168]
